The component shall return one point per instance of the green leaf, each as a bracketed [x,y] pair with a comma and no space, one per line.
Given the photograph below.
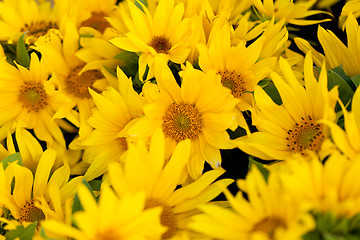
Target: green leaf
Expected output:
[129,62]
[356,80]
[12,158]
[22,233]
[22,56]
[95,185]
[139,5]
[345,91]
[260,166]
[77,204]
[271,90]
[313,235]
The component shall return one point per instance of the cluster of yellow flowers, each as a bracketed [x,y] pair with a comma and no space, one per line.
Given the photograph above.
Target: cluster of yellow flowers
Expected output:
[114,115]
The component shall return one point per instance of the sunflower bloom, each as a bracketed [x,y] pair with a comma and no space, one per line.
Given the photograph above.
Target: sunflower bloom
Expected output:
[147,170]
[110,218]
[239,66]
[37,19]
[270,213]
[201,110]
[31,198]
[292,127]
[73,76]
[336,53]
[164,33]
[332,186]
[292,12]
[348,140]
[28,97]
[107,142]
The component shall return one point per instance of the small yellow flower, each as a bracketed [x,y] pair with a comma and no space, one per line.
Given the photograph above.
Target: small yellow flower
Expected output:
[268,213]
[292,127]
[201,110]
[147,169]
[28,97]
[163,33]
[110,218]
[38,198]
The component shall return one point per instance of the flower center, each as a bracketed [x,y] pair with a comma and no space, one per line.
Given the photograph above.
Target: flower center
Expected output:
[77,85]
[161,44]
[30,213]
[107,234]
[269,225]
[33,96]
[38,28]
[233,81]
[182,121]
[167,217]
[122,143]
[306,135]
[97,21]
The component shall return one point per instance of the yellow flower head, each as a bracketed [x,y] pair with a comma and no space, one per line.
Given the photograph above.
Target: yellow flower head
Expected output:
[39,198]
[336,53]
[292,127]
[73,76]
[147,169]
[28,97]
[239,66]
[163,33]
[268,213]
[36,19]
[332,186]
[292,12]
[110,218]
[348,140]
[115,111]
[201,110]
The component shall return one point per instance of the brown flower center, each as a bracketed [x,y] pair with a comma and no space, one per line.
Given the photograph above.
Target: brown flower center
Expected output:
[306,135]
[38,28]
[33,96]
[161,44]
[233,81]
[30,213]
[97,21]
[77,85]
[167,217]
[122,143]
[269,225]
[182,121]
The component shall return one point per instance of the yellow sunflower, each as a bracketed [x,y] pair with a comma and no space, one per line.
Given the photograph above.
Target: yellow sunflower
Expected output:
[107,142]
[163,33]
[336,53]
[332,186]
[110,218]
[147,169]
[38,198]
[29,16]
[201,110]
[91,16]
[292,127]
[268,213]
[348,140]
[240,66]
[73,76]
[293,12]
[28,97]
[31,150]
